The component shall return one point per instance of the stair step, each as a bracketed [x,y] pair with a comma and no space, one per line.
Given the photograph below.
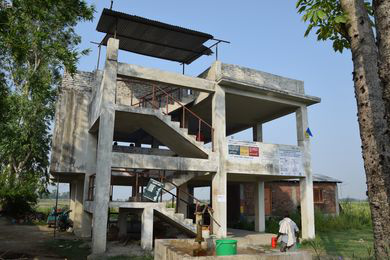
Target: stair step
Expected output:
[188,221]
[180,216]
[170,210]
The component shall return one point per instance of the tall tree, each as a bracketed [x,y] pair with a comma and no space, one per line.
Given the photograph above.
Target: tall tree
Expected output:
[37,42]
[347,23]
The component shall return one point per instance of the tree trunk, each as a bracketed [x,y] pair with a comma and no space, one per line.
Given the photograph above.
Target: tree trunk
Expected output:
[373,125]
[382,25]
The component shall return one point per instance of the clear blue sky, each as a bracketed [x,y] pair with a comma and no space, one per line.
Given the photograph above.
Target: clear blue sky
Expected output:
[268,36]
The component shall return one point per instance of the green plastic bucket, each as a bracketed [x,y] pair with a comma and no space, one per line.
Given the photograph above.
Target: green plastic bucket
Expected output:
[226,247]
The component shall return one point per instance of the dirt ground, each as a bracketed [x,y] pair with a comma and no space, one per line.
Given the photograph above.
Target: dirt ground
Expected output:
[29,241]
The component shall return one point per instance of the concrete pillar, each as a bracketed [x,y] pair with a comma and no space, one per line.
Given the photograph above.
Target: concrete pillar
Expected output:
[306,183]
[219,180]
[259,207]
[86,220]
[122,223]
[78,208]
[72,202]
[104,149]
[183,207]
[147,229]
[258,132]
[259,187]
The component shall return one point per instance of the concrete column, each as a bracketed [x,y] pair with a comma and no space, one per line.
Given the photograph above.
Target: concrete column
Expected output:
[259,207]
[183,191]
[122,223]
[72,202]
[104,149]
[147,229]
[86,220]
[259,187]
[78,208]
[306,183]
[219,180]
[258,132]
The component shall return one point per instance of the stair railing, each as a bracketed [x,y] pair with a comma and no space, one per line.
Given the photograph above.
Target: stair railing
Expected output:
[178,199]
[168,99]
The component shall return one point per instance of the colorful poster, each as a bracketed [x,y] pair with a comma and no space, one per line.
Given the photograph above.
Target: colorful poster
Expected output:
[254,151]
[244,150]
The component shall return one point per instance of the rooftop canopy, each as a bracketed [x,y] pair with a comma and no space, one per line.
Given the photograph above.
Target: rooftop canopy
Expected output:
[152,38]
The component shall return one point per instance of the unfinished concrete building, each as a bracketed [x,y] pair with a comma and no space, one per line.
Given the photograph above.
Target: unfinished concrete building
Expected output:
[176,131]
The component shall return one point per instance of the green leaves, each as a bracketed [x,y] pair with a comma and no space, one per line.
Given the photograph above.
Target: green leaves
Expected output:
[329,20]
[37,42]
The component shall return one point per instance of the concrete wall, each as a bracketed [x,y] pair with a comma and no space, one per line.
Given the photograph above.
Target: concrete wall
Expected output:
[71,123]
[177,249]
[222,71]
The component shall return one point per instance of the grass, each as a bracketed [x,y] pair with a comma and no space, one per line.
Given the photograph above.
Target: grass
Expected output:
[347,235]
[354,243]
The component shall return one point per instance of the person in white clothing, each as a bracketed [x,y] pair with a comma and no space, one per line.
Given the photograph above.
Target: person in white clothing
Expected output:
[288,232]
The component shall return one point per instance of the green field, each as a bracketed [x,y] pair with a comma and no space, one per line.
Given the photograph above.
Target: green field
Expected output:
[348,235]
[46,205]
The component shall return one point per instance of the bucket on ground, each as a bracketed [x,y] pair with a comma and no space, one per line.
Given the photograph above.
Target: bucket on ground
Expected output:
[274,242]
[226,247]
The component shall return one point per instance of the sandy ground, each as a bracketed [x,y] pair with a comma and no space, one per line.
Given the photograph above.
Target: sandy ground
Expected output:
[28,240]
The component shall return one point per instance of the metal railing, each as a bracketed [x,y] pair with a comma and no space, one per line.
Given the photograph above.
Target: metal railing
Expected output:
[158,95]
[178,199]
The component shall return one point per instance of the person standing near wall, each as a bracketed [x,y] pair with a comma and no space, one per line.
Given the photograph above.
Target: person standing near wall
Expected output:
[288,232]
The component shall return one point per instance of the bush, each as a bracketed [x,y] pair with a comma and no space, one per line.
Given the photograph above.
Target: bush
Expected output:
[354,215]
[17,197]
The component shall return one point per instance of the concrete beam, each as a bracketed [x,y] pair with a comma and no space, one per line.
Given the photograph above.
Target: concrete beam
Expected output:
[306,183]
[140,161]
[179,80]
[294,100]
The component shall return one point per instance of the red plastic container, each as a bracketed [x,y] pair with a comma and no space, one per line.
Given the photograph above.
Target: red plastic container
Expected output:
[274,242]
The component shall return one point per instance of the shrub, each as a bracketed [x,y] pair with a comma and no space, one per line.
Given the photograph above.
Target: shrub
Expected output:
[354,215]
[18,197]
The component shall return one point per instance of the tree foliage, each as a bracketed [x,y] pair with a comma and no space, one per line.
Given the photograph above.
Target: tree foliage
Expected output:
[37,42]
[329,20]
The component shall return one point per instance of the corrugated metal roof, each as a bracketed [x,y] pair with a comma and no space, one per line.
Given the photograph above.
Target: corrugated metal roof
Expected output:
[319,178]
[324,178]
[152,38]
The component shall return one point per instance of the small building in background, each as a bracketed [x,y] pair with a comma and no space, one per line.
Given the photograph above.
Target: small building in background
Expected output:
[281,196]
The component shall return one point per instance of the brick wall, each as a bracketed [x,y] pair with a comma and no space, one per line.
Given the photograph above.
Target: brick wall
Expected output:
[285,196]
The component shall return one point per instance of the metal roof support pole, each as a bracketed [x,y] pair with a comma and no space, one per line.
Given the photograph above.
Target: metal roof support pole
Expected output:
[183,68]
[216,51]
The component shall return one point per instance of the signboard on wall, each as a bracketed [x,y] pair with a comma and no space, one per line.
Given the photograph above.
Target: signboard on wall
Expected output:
[243,150]
[273,158]
[153,190]
[290,161]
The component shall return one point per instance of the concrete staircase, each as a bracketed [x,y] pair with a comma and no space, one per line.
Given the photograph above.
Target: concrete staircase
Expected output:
[178,178]
[177,219]
[169,132]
